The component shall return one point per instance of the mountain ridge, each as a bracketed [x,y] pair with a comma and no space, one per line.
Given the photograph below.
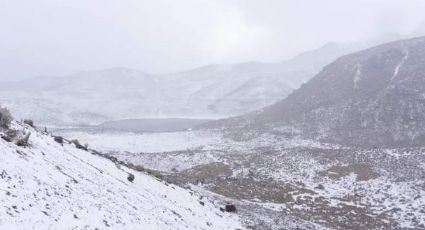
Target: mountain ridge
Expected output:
[369,98]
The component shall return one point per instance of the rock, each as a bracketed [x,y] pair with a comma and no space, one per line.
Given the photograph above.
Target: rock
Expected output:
[59,139]
[130,177]
[230,207]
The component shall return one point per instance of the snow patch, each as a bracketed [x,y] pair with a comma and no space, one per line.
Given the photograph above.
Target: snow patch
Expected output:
[357,76]
[400,64]
[144,142]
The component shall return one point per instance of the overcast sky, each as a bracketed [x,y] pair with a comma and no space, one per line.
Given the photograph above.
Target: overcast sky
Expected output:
[59,37]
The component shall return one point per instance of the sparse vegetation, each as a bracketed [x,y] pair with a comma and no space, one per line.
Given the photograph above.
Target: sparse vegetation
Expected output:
[78,145]
[5,118]
[29,122]
[139,168]
[10,135]
[320,186]
[24,141]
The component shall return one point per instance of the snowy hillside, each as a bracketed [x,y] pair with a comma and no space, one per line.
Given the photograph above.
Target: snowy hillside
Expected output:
[369,98]
[213,91]
[49,186]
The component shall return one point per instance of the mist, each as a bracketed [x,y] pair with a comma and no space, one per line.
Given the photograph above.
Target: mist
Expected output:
[52,38]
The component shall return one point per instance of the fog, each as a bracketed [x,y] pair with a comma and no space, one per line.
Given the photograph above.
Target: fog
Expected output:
[51,37]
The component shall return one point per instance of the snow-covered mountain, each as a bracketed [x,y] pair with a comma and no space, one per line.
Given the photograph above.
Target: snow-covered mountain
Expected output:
[87,97]
[50,186]
[370,98]
[213,91]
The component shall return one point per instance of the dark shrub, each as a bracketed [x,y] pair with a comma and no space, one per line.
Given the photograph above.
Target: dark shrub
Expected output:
[112,158]
[320,186]
[29,122]
[139,168]
[78,145]
[6,138]
[5,118]
[156,174]
[10,135]
[23,142]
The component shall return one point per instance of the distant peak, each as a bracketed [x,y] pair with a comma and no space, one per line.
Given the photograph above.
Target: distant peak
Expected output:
[120,69]
[115,71]
[330,45]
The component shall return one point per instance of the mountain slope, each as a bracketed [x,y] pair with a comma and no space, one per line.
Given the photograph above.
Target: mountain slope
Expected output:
[371,98]
[86,97]
[212,91]
[49,186]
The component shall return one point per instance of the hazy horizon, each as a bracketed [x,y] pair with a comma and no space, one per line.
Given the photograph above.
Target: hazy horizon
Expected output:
[57,38]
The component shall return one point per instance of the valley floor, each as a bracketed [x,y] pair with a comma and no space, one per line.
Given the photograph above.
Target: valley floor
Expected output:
[284,183]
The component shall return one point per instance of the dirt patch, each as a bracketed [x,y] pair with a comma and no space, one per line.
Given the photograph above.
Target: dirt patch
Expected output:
[342,216]
[207,173]
[363,172]
[263,190]
[302,203]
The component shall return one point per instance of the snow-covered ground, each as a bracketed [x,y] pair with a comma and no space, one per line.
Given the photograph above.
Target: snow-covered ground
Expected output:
[144,142]
[180,141]
[49,186]
[378,182]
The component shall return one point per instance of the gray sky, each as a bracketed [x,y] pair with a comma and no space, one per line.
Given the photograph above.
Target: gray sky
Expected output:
[59,37]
